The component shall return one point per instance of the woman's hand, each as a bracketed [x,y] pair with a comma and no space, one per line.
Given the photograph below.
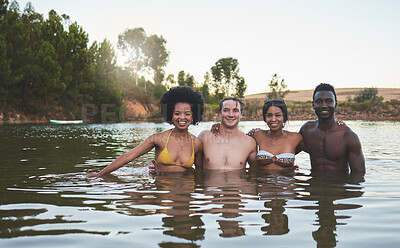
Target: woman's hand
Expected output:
[340,122]
[152,167]
[252,131]
[215,129]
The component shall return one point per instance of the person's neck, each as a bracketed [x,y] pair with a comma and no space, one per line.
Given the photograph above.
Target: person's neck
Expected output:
[180,132]
[326,125]
[224,130]
[275,134]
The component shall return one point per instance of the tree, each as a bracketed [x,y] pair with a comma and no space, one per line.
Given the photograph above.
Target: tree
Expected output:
[181,78]
[205,88]
[224,72]
[105,75]
[366,94]
[132,42]
[170,81]
[5,74]
[157,56]
[277,88]
[186,79]
[240,87]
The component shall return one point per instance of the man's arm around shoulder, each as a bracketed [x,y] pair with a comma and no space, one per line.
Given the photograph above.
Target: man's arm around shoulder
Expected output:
[252,158]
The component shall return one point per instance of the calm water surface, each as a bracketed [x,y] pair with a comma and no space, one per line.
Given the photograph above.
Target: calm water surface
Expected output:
[46,201]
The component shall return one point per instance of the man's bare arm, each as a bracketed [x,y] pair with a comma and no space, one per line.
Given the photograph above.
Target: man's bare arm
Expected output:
[252,158]
[198,159]
[355,154]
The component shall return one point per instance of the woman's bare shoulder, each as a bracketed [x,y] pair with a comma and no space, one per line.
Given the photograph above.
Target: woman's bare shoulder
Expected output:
[197,143]
[195,139]
[159,137]
[293,134]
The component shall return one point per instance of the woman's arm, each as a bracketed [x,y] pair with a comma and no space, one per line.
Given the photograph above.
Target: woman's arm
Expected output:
[127,157]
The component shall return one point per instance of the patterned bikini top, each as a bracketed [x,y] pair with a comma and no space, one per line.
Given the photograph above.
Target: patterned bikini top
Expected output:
[283,159]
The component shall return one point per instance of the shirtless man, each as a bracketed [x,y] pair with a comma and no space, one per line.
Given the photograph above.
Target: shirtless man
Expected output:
[230,149]
[331,147]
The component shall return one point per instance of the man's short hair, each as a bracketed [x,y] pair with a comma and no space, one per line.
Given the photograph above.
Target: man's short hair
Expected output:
[234,99]
[324,87]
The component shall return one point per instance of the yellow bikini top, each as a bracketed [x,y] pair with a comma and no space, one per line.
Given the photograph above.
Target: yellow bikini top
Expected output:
[165,158]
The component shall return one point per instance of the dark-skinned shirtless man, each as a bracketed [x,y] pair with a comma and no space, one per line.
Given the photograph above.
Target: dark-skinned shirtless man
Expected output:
[331,147]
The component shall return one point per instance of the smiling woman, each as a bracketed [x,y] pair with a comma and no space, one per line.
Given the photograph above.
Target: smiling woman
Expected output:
[276,147]
[175,149]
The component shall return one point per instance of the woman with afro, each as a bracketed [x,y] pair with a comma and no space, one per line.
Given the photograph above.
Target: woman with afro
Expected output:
[176,149]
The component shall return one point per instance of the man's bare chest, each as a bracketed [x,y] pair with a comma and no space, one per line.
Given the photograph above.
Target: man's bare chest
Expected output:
[331,145]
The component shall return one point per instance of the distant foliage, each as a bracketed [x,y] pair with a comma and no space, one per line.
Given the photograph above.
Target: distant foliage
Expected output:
[277,88]
[366,94]
[227,80]
[47,65]
[186,79]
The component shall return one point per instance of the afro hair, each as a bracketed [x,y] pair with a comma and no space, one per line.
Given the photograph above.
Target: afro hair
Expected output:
[182,94]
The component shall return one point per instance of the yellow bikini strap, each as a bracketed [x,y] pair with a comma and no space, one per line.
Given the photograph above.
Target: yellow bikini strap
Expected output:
[168,137]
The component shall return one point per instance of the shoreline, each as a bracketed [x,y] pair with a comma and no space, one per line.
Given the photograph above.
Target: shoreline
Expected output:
[354,117]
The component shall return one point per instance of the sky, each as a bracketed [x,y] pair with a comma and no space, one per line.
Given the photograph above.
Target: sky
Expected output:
[347,43]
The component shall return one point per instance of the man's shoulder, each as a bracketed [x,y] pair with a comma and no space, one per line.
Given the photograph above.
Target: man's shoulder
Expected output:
[308,125]
[204,133]
[348,132]
[246,138]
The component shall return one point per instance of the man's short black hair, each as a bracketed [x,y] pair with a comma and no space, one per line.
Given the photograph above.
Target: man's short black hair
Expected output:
[182,94]
[324,87]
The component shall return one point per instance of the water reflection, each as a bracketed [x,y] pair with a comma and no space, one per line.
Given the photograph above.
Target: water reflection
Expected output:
[184,200]
[325,189]
[275,189]
[169,194]
[44,194]
[226,193]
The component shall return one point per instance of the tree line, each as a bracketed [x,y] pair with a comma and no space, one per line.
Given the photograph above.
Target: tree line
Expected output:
[47,65]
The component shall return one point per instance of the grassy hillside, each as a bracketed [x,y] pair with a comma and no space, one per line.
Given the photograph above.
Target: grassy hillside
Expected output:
[342,94]
[300,108]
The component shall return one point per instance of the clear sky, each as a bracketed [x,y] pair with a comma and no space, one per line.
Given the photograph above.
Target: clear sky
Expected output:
[348,43]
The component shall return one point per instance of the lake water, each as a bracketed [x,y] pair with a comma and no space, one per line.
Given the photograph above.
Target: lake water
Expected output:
[46,201]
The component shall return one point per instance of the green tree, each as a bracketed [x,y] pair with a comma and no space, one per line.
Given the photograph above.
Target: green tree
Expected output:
[44,77]
[277,88]
[186,79]
[80,66]
[6,79]
[132,42]
[366,94]
[190,80]
[157,56]
[205,88]
[225,72]
[240,87]
[105,75]
[14,57]
[181,78]
[170,81]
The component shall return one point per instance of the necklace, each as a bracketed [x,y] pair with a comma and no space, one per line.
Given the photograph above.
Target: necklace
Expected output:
[179,141]
[181,146]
